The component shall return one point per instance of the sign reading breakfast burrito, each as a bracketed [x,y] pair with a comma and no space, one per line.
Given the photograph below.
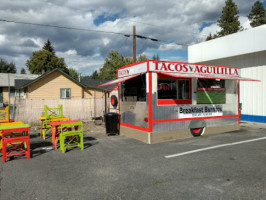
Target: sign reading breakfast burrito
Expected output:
[200,111]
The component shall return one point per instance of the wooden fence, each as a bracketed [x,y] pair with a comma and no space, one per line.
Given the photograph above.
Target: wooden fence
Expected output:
[28,110]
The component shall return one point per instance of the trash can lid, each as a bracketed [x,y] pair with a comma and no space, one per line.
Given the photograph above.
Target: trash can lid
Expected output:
[111,114]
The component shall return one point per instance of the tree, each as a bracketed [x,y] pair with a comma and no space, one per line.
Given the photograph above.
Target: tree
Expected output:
[228,21]
[74,73]
[209,37]
[22,71]
[155,57]
[257,15]
[48,47]
[6,67]
[142,57]
[45,59]
[114,61]
[94,75]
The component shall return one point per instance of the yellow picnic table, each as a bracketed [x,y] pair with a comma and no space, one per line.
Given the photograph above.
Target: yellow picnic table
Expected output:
[45,124]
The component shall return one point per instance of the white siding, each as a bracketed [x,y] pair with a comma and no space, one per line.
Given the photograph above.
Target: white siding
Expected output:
[253,94]
[244,42]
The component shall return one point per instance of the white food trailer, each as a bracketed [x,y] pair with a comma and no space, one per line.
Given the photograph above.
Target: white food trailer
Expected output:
[163,100]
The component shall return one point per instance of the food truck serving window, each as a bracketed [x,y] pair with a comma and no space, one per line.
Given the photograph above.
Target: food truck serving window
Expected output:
[174,91]
[134,89]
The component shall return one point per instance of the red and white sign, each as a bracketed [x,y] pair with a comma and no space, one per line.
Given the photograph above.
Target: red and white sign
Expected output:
[132,69]
[170,67]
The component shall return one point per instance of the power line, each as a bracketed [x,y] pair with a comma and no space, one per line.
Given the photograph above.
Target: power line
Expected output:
[60,27]
[88,30]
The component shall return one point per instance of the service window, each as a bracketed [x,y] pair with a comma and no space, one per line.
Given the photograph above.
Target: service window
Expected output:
[65,93]
[134,89]
[173,91]
[211,91]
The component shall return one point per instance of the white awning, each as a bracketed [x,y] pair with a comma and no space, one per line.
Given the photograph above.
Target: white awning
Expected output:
[226,77]
[119,80]
[204,76]
[183,75]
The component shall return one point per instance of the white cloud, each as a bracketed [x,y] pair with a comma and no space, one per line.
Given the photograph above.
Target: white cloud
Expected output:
[2,39]
[169,47]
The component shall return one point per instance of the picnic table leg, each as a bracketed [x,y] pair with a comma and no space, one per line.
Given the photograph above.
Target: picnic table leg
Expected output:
[41,134]
[28,145]
[62,143]
[4,151]
[54,137]
[81,141]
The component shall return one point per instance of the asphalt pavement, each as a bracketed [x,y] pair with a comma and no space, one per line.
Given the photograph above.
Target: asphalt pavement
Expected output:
[220,166]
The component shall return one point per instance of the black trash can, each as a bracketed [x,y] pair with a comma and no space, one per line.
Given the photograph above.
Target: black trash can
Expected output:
[112,123]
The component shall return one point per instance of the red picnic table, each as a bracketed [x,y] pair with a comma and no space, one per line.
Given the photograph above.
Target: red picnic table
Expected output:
[17,136]
[56,129]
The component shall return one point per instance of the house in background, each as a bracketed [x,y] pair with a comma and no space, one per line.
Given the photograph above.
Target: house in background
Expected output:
[56,84]
[81,100]
[7,86]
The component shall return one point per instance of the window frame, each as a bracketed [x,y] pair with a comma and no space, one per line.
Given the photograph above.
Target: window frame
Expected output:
[61,89]
[174,101]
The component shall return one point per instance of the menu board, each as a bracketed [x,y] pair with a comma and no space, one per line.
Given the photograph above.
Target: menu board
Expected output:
[211,96]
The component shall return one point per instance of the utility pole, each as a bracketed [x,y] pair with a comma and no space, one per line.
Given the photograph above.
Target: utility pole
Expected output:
[134,44]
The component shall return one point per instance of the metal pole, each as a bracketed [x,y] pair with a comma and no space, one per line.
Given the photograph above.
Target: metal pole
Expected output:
[8,95]
[8,89]
[105,103]
[134,44]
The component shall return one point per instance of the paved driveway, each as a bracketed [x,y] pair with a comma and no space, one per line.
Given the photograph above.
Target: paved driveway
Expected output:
[122,168]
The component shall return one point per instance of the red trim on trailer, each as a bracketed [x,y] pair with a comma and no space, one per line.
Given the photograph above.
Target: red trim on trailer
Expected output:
[161,102]
[127,66]
[195,118]
[150,100]
[118,95]
[115,88]
[135,127]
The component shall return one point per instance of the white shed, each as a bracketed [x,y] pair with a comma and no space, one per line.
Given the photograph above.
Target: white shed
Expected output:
[247,50]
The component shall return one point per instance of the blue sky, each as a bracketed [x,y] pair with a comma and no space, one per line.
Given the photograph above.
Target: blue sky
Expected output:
[176,24]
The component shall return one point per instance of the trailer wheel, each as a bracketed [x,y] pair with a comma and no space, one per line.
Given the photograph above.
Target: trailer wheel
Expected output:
[197,131]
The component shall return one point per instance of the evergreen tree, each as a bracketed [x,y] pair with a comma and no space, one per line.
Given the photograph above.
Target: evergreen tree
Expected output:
[257,15]
[155,57]
[209,37]
[228,21]
[22,71]
[6,67]
[48,47]
[94,75]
